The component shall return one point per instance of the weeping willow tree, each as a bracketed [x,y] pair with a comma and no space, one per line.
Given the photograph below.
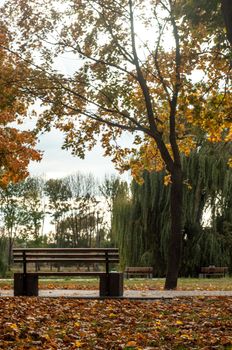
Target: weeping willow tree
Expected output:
[141,219]
[207,209]
[121,209]
[137,223]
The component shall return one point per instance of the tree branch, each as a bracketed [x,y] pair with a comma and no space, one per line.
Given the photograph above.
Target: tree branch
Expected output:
[226,7]
[155,134]
[160,76]
[123,51]
[174,100]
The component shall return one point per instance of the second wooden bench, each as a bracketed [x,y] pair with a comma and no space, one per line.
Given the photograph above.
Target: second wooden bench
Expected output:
[213,271]
[141,271]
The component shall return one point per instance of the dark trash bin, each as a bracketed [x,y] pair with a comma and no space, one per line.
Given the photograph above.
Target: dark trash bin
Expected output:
[111,285]
[25,284]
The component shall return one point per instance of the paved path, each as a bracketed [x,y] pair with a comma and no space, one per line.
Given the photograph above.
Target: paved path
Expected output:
[128,294]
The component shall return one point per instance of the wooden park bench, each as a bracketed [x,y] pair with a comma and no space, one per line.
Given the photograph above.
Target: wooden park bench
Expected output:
[144,271]
[36,262]
[213,271]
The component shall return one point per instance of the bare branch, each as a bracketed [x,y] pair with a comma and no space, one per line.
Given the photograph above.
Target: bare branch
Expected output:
[161,78]
[123,51]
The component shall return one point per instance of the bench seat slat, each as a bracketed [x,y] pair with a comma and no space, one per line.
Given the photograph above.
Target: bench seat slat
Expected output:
[68,273]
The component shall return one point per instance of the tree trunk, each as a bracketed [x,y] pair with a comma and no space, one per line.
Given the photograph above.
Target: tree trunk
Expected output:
[226,6]
[10,246]
[175,239]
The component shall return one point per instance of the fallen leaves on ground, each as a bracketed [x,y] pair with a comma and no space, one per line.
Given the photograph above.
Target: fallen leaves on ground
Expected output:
[49,323]
[148,284]
[135,284]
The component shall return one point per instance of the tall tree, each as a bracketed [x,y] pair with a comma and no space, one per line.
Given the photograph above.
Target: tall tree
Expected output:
[3,254]
[33,206]
[109,190]
[126,82]
[11,199]
[22,212]
[58,193]
[82,215]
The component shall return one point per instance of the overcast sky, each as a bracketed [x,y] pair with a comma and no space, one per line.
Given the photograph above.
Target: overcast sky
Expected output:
[58,163]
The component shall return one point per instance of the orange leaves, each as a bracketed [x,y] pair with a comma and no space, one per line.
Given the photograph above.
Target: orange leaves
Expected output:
[16,147]
[41,323]
[130,345]
[210,112]
[167,180]
[146,158]
[187,145]
[78,344]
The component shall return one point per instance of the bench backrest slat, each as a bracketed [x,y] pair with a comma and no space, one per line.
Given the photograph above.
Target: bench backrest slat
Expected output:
[66,250]
[214,269]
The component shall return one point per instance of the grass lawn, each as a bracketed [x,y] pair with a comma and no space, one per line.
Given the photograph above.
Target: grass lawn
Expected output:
[133,284]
